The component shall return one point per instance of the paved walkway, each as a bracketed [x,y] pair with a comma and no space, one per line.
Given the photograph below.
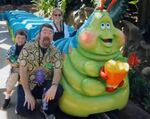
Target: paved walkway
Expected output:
[5,44]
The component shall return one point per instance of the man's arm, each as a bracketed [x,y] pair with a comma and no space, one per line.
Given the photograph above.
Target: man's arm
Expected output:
[24,79]
[57,69]
[50,94]
[29,99]
[56,77]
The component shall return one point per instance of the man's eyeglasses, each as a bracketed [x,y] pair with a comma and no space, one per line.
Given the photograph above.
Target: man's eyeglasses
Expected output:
[57,15]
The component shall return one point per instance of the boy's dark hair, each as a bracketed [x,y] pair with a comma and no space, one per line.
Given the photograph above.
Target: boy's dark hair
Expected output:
[46,25]
[21,32]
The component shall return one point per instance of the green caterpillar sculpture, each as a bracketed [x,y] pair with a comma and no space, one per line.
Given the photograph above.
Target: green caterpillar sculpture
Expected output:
[85,91]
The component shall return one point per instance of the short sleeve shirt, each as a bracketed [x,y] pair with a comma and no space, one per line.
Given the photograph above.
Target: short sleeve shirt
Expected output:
[32,57]
[11,51]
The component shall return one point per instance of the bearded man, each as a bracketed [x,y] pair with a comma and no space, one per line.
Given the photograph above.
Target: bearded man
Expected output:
[40,71]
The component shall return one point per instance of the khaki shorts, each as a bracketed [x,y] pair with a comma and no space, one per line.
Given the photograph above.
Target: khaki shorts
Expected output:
[12,80]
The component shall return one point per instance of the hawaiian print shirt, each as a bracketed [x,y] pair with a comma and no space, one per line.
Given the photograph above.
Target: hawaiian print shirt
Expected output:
[32,57]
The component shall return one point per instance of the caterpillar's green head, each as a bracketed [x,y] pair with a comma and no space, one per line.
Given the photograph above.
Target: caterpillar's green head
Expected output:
[99,36]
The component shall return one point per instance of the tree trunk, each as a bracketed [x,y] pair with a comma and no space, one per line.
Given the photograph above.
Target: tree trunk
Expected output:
[144,14]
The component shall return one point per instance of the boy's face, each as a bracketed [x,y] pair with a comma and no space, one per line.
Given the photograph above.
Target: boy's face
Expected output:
[20,39]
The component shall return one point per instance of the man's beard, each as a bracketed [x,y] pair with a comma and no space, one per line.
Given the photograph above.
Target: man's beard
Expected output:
[46,42]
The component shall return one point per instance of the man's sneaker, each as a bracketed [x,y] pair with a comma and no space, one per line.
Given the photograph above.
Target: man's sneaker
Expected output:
[6,103]
[16,111]
[50,116]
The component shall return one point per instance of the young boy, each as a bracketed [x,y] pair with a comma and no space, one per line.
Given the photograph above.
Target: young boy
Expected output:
[11,59]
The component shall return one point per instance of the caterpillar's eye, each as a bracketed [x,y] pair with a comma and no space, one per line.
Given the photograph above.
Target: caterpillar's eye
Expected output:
[108,25]
[103,26]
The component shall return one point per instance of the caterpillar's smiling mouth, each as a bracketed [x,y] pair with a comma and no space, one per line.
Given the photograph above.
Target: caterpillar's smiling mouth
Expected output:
[107,41]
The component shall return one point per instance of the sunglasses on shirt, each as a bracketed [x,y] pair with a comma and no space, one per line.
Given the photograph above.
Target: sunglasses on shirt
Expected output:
[57,14]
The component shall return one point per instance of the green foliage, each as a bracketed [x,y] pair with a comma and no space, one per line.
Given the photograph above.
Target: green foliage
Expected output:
[76,6]
[95,3]
[45,6]
[63,6]
[139,89]
[133,2]
[146,102]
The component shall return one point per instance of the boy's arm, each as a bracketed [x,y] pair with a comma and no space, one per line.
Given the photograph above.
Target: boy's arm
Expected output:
[8,62]
[15,65]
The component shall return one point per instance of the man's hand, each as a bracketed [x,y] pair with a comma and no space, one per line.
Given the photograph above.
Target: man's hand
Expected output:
[50,94]
[30,101]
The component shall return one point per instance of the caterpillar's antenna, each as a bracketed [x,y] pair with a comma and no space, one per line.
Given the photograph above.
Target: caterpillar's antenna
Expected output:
[113,2]
[102,3]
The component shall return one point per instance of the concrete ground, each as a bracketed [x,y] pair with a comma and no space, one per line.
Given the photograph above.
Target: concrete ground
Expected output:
[131,111]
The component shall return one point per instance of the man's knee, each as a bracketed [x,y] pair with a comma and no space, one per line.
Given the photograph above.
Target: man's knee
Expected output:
[20,108]
[23,111]
[59,92]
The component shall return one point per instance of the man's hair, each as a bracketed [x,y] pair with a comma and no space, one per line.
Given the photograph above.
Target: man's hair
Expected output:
[22,33]
[47,26]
